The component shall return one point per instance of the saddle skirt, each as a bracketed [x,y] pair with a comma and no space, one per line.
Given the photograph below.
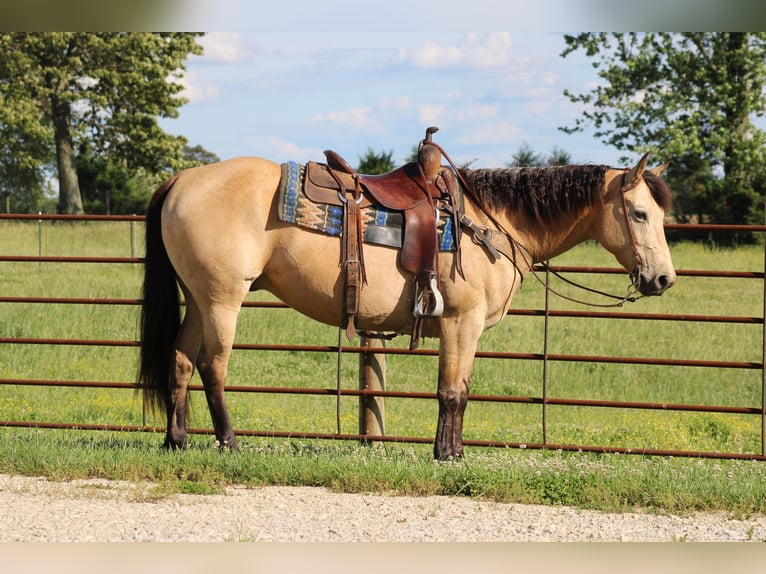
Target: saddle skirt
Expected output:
[301,204]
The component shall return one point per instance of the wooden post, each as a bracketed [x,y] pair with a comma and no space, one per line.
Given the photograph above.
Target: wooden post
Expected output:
[372,377]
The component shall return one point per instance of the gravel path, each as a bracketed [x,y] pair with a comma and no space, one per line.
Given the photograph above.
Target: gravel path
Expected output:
[36,510]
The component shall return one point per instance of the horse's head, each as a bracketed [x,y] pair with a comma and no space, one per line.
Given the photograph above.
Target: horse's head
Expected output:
[631,227]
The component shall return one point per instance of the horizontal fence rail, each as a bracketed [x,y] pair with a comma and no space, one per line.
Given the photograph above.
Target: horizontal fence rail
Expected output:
[545,314]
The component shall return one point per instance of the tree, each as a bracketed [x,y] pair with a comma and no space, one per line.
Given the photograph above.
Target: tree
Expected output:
[198,155]
[22,148]
[527,157]
[110,187]
[375,163]
[559,156]
[59,89]
[689,96]
[21,185]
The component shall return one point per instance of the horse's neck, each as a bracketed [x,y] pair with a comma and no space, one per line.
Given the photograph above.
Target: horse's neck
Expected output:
[543,241]
[546,241]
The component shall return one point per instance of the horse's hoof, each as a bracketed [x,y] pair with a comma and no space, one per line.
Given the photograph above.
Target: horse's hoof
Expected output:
[174,446]
[226,445]
[444,456]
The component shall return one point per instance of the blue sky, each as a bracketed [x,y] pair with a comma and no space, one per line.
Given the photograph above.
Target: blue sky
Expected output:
[289,79]
[289,95]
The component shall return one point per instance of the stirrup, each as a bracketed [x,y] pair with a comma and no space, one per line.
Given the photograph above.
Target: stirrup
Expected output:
[421,304]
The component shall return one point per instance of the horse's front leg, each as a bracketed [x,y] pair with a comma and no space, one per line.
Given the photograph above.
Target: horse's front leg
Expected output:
[459,338]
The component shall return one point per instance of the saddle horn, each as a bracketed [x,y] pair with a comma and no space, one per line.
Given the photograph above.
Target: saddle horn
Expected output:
[429,156]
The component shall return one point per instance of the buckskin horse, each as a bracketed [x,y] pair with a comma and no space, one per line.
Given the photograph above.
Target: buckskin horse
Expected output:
[214,231]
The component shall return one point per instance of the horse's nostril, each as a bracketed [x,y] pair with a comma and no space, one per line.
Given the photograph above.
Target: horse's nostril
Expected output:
[665,282]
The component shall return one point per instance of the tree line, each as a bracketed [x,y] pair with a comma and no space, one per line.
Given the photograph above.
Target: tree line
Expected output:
[83,109]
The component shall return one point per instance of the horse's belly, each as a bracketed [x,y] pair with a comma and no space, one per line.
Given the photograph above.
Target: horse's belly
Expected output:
[311,280]
[382,314]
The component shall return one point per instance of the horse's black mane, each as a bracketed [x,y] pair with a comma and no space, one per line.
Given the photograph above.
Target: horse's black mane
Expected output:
[543,193]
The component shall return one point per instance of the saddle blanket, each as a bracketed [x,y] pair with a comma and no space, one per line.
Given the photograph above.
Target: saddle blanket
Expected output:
[380,226]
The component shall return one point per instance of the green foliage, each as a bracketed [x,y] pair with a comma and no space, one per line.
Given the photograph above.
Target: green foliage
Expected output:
[690,97]
[22,191]
[376,163]
[198,155]
[413,155]
[527,157]
[112,188]
[60,89]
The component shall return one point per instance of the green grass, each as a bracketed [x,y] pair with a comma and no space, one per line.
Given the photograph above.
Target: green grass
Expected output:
[609,481]
[605,482]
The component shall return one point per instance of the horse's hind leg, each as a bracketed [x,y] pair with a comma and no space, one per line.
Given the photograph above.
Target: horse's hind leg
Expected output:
[212,363]
[187,347]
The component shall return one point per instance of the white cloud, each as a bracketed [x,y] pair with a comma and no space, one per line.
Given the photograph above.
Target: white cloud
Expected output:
[456,112]
[502,132]
[225,47]
[354,117]
[431,114]
[486,50]
[524,80]
[282,150]
[473,112]
[197,91]
[394,104]
[366,117]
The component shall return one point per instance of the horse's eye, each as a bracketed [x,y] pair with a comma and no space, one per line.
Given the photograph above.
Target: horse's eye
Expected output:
[640,215]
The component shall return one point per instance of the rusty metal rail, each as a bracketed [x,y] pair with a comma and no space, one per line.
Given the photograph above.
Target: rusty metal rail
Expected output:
[544,357]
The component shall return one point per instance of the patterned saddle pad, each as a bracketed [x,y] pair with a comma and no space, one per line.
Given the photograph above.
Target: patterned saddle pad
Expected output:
[380,226]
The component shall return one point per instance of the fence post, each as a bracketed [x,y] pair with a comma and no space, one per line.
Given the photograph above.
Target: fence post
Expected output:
[763,360]
[372,377]
[545,351]
[133,237]
[39,237]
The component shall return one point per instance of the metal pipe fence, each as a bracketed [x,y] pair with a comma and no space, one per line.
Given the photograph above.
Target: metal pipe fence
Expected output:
[545,357]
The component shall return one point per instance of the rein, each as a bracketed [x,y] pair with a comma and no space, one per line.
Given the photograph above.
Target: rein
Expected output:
[631,295]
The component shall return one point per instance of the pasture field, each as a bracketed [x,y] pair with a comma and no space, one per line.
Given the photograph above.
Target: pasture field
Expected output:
[519,475]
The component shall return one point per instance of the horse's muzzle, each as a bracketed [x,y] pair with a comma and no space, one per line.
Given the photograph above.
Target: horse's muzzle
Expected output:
[655,285]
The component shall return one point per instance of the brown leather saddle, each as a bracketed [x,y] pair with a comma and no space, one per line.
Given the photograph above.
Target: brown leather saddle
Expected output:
[416,189]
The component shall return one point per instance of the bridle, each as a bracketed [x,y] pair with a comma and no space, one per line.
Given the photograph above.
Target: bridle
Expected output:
[485,234]
[635,275]
[632,294]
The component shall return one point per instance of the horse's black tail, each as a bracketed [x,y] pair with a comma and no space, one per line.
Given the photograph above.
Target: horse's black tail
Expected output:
[160,309]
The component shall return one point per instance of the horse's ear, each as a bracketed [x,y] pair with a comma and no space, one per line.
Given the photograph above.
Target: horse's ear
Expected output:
[637,172]
[660,169]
